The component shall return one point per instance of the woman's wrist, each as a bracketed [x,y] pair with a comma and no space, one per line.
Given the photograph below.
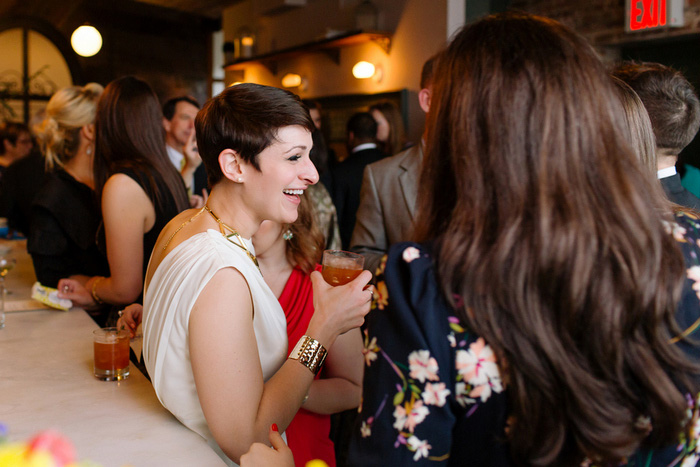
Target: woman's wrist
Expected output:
[321,334]
[310,353]
[93,289]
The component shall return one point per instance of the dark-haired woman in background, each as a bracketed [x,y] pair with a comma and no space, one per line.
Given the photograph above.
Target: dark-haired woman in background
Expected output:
[139,188]
[390,128]
[543,319]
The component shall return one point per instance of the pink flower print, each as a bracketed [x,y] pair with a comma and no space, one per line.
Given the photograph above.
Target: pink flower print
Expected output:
[366,430]
[461,395]
[410,253]
[370,351]
[694,275]
[410,415]
[479,369]
[478,364]
[422,366]
[677,231]
[435,394]
[421,448]
[483,391]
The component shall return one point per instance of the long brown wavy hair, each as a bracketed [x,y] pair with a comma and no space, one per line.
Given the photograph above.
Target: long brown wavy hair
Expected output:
[129,134]
[545,225]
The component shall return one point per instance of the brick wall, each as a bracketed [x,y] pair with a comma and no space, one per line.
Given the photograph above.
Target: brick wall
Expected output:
[603,21]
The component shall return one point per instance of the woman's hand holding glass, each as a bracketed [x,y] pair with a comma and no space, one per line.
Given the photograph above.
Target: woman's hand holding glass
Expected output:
[339,309]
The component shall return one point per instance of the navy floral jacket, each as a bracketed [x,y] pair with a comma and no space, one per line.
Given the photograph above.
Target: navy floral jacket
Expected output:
[433,392]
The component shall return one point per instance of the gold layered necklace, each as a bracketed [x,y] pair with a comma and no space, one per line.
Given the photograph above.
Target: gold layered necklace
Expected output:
[233,235]
[223,228]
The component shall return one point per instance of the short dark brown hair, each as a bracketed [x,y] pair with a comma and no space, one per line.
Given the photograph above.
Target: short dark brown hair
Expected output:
[10,131]
[669,98]
[171,104]
[245,118]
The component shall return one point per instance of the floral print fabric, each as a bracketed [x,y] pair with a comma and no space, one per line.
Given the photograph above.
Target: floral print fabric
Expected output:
[433,391]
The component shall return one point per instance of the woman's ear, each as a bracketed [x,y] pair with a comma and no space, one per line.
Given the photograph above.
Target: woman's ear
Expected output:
[231,166]
[87,132]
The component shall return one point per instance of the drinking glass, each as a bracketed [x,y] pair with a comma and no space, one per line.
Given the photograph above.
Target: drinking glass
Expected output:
[6,263]
[341,267]
[111,354]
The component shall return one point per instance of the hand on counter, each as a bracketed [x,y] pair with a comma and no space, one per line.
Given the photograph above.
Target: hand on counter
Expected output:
[75,291]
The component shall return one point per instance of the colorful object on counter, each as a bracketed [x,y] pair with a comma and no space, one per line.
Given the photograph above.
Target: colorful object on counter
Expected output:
[49,296]
[46,449]
[316,463]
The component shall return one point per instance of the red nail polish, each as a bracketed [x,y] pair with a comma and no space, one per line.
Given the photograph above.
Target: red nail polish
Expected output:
[274,427]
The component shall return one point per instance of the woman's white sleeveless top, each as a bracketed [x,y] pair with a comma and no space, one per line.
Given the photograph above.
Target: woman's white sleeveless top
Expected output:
[167,304]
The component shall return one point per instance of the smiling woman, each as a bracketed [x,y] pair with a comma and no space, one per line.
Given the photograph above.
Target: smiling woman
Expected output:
[210,320]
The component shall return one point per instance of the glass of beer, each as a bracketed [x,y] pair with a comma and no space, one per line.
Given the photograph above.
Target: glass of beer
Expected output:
[111,354]
[340,267]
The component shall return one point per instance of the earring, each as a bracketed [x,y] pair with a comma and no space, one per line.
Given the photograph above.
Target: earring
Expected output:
[89,150]
[288,234]
[240,180]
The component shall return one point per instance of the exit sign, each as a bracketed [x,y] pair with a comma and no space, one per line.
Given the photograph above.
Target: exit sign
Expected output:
[653,14]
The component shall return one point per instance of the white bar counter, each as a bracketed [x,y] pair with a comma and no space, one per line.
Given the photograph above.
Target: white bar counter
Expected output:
[47,382]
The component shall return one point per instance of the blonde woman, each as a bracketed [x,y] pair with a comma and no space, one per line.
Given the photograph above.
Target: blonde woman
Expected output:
[65,214]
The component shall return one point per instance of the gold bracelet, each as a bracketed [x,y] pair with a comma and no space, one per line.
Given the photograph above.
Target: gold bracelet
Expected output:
[310,353]
[94,290]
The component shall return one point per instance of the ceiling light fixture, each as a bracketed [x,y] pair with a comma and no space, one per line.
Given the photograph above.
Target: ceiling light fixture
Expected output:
[86,40]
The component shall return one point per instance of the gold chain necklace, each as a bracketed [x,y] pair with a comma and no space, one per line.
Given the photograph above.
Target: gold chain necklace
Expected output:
[234,233]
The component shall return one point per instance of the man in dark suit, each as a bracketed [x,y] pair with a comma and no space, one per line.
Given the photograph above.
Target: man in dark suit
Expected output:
[674,111]
[346,177]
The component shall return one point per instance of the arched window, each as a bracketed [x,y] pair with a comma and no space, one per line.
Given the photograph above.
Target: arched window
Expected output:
[32,68]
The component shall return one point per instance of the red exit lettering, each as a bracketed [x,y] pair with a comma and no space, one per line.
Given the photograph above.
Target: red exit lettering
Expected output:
[645,14]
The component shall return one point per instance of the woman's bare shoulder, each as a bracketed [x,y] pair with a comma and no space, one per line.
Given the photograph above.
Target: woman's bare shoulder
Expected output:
[182,227]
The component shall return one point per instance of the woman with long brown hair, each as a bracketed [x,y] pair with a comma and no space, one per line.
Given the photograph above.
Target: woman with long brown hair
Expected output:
[139,189]
[390,128]
[544,317]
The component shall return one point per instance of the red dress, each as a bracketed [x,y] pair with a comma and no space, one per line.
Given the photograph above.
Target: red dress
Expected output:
[307,435]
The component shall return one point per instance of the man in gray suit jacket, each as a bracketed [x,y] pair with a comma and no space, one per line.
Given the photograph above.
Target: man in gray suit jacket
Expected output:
[388,194]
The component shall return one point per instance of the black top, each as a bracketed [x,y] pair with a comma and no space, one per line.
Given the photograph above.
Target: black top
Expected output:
[18,187]
[345,185]
[164,205]
[65,217]
[433,393]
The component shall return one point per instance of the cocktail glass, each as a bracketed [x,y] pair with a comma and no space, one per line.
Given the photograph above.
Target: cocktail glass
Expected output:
[111,354]
[341,267]
[6,264]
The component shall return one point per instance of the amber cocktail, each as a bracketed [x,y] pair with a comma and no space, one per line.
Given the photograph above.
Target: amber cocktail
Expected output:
[111,354]
[341,267]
